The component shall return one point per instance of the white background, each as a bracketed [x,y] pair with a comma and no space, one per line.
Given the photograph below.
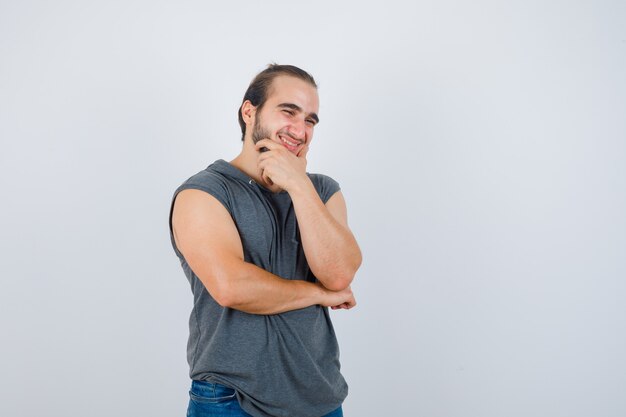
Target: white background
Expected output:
[481,147]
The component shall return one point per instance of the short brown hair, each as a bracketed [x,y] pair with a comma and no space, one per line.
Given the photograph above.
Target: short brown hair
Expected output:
[258,89]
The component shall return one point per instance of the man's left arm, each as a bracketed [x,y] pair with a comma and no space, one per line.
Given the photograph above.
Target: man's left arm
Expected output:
[329,246]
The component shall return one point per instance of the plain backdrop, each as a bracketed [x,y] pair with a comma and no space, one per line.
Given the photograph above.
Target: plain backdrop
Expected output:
[481,148]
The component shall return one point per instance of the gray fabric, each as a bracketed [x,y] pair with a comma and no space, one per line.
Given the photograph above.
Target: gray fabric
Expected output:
[281,365]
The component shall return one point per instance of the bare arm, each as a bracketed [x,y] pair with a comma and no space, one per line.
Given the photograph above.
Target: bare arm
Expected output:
[208,239]
[329,246]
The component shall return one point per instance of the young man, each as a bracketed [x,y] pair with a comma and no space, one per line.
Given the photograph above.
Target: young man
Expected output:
[267,249]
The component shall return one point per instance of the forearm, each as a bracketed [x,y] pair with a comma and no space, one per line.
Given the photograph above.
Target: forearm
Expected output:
[253,290]
[330,248]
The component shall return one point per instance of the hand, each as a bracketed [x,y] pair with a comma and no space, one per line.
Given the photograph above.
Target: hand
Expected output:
[279,167]
[336,300]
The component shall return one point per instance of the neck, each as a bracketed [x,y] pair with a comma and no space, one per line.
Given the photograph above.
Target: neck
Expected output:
[246,162]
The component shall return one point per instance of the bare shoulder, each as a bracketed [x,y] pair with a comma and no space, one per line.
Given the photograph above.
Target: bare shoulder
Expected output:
[202,226]
[336,205]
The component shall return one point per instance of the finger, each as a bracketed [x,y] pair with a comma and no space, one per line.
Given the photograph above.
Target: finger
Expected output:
[265,178]
[265,162]
[266,143]
[263,156]
[303,151]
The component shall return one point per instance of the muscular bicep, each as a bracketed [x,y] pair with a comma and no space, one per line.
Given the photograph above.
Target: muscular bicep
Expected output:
[336,205]
[206,235]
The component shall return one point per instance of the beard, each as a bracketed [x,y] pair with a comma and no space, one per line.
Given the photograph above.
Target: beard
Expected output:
[259,132]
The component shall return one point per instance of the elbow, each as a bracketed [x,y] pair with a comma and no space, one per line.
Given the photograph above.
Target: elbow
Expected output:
[229,298]
[223,296]
[339,282]
[340,279]
[337,285]
[222,290]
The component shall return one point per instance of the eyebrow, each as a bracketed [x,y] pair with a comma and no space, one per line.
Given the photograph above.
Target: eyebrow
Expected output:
[299,109]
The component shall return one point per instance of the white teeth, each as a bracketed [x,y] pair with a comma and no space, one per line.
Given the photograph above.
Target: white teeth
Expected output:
[288,142]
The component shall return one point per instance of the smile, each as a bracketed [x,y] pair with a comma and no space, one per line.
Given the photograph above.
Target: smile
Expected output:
[289,144]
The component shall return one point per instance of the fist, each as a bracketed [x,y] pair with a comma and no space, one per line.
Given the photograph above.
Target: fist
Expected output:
[278,167]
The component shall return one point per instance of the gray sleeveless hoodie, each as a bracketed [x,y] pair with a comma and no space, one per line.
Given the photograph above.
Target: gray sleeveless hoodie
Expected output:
[281,365]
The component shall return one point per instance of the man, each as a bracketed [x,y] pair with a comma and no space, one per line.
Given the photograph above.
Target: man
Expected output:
[267,249]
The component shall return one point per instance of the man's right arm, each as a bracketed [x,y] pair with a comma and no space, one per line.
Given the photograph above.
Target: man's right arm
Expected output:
[208,239]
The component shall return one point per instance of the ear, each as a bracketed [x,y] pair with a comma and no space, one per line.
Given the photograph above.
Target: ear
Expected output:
[248,112]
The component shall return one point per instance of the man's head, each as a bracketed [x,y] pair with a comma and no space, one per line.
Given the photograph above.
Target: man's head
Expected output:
[281,104]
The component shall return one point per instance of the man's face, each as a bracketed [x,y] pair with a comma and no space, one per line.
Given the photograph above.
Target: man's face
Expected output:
[288,115]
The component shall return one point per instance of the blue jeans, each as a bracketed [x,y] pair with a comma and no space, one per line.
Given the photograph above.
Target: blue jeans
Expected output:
[208,399]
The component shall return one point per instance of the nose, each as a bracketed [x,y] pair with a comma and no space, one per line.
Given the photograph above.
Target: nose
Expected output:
[298,129]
